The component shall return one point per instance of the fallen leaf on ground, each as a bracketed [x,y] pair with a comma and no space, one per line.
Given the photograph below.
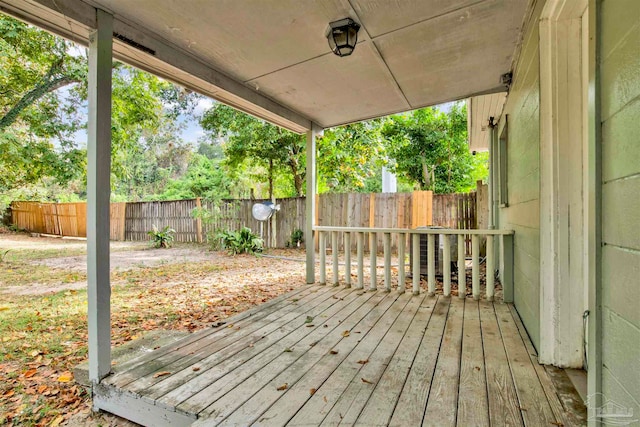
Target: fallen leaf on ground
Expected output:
[366,381]
[363,362]
[65,377]
[30,373]
[161,374]
[56,421]
[283,387]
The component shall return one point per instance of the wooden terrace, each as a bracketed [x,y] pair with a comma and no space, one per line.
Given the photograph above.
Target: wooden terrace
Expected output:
[325,355]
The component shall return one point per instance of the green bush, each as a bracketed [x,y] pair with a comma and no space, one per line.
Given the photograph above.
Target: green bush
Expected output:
[297,237]
[162,238]
[240,242]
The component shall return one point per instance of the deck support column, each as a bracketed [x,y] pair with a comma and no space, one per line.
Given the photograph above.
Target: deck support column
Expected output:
[310,203]
[98,193]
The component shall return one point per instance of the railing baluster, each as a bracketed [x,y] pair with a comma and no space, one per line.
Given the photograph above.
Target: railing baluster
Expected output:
[462,276]
[334,258]
[490,271]
[431,264]
[415,247]
[373,248]
[446,265]
[387,261]
[475,266]
[347,259]
[360,255]
[401,271]
[322,247]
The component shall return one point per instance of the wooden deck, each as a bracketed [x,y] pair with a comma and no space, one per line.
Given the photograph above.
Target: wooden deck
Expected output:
[327,356]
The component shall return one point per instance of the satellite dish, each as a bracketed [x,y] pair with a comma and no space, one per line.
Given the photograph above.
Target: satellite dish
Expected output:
[264,211]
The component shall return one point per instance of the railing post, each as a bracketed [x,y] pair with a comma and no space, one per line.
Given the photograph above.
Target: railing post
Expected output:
[401,271]
[334,257]
[322,247]
[431,264]
[415,248]
[360,255]
[347,259]
[462,276]
[446,265]
[373,248]
[507,273]
[490,272]
[475,266]
[387,261]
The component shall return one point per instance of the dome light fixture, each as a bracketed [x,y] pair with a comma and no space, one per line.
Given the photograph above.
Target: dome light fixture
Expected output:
[343,36]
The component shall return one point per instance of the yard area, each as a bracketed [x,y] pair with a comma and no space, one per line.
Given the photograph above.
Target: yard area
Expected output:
[43,303]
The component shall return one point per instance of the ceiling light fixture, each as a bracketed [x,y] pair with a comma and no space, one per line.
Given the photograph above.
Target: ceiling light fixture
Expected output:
[343,36]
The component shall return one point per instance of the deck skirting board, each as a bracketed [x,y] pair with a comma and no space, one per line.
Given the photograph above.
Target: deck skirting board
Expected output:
[111,399]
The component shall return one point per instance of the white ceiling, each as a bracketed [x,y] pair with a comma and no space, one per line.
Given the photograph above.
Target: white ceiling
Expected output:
[479,110]
[271,58]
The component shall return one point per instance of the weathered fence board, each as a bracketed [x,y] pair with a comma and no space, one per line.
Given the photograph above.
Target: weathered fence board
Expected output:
[132,221]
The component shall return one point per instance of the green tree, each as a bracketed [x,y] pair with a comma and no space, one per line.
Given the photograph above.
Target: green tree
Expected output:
[258,143]
[429,147]
[204,178]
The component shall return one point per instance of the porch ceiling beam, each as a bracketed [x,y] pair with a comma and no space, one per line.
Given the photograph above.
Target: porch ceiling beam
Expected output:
[75,19]
[98,193]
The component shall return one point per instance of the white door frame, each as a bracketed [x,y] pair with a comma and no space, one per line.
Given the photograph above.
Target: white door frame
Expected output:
[562,185]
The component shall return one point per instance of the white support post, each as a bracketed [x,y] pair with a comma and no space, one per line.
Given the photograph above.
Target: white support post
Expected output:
[322,247]
[462,276]
[431,265]
[475,266]
[446,265]
[98,193]
[334,258]
[347,259]
[490,273]
[360,255]
[415,247]
[310,203]
[401,270]
[387,261]
[373,248]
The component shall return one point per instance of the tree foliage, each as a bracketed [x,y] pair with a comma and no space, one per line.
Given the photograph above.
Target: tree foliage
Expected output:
[254,141]
[429,147]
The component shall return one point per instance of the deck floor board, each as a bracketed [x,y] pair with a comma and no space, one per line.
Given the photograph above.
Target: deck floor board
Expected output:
[347,357]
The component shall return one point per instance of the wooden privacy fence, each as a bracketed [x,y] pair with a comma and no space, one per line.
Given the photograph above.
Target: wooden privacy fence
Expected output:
[132,221]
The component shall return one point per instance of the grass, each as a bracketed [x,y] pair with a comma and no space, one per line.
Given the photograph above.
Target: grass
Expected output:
[42,337]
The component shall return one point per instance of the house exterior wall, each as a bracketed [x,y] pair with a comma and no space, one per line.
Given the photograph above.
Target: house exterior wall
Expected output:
[522,213]
[620,116]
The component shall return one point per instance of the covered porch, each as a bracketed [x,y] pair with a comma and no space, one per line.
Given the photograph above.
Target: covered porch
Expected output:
[330,355]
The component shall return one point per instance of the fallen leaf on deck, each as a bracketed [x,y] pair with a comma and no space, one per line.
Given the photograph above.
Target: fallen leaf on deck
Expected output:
[161,374]
[309,319]
[287,350]
[312,391]
[346,334]
[65,377]
[363,362]
[366,381]
[283,387]
[195,369]
[333,351]
[310,325]
[325,399]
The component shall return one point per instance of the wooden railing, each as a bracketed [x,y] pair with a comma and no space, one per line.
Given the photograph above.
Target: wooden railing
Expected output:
[413,236]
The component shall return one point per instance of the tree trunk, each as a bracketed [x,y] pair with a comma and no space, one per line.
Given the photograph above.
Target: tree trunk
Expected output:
[297,177]
[270,178]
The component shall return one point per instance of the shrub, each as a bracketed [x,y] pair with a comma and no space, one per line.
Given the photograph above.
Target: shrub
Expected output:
[162,238]
[240,242]
[297,237]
